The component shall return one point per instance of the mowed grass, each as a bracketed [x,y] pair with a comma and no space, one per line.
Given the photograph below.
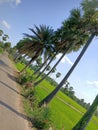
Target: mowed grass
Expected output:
[62,114]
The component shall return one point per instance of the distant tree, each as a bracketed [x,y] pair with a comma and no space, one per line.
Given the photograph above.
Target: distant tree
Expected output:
[7,46]
[58,75]
[53,71]
[39,61]
[5,37]
[48,68]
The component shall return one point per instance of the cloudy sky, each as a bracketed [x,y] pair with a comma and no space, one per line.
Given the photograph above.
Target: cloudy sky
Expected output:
[16,16]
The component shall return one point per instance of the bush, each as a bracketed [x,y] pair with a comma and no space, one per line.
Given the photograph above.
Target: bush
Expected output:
[28,93]
[1,50]
[25,78]
[41,118]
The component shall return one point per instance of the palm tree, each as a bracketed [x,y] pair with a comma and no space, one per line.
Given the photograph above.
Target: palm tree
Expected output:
[82,124]
[64,40]
[70,39]
[47,99]
[43,37]
[24,46]
[39,81]
[90,28]
[45,62]
[51,59]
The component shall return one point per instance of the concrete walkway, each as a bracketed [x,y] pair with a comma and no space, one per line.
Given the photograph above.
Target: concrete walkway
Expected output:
[11,117]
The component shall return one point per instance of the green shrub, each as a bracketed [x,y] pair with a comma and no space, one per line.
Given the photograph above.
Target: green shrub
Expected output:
[41,118]
[1,50]
[25,78]
[28,93]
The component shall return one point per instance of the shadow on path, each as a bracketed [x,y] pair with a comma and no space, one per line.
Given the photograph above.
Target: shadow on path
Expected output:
[12,77]
[2,63]
[13,110]
[3,70]
[9,87]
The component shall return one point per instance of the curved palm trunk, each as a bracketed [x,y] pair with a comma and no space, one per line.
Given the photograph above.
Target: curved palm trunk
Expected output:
[18,55]
[41,66]
[82,124]
[47,65]
[36,83]
[47,99]
[32,59]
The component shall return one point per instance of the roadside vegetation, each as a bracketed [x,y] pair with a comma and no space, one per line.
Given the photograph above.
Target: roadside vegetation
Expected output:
[62,112]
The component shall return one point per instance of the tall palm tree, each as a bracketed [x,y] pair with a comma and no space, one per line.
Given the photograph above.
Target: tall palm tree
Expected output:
[43,37]
[83,122]
[47,99]
[39,81]
[42,65]
[91,30]
[51,59]
[70,39]
[23,47]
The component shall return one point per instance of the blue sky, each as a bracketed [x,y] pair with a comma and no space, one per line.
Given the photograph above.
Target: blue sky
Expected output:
[16,16]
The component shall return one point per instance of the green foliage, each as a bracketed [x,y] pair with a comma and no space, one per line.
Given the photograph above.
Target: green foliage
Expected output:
[25,78]
[51,81]
[1,50]
[28,93]
[58,75]
[39,117]
[7,46]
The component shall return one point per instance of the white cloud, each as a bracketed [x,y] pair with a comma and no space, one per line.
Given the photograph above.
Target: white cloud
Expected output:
[93,83]
[65,59]
[18,2]
[10,1]
[5,24]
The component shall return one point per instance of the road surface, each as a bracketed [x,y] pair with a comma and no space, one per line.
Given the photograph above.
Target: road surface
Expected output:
[11,115]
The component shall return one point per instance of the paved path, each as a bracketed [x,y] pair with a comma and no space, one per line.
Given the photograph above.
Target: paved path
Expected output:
[11,117]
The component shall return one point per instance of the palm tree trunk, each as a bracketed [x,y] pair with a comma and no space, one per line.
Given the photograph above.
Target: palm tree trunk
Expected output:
[17,56]
[70,46]
[47,99]
[47,65]
[36,83]
[41,66]
[32,59]
[82,124]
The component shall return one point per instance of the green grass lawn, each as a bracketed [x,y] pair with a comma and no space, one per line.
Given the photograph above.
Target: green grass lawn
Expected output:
[62,115]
